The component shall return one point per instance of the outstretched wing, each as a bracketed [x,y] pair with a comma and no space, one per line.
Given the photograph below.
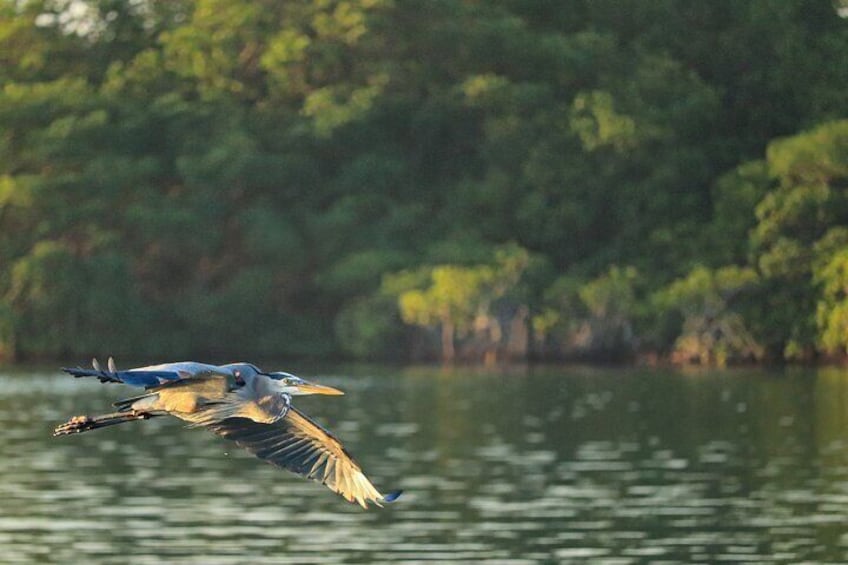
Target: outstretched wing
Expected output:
[147,377]
[302,446]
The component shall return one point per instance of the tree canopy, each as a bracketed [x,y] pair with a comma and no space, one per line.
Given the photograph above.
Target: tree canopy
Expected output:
[391,179]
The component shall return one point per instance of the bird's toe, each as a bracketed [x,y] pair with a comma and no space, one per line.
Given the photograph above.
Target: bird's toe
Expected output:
[74,425]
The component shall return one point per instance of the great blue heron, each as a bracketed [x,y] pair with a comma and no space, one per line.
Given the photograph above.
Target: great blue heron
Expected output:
[241,403]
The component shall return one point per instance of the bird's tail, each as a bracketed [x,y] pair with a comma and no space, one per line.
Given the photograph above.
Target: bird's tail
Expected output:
[126,404]
[79,424]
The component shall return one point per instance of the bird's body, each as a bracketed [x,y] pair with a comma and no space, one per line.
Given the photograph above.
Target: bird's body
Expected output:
[241,403]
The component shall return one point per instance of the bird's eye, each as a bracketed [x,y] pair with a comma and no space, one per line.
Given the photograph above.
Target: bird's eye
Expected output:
[239,380]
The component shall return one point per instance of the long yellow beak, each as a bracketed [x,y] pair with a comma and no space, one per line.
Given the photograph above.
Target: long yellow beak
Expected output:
[311,388]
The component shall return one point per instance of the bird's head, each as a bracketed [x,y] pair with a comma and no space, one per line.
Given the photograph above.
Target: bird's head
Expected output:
[251,376]
[295,386]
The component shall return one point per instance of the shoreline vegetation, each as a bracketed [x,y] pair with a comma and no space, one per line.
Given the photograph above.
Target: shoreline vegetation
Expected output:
[586,180]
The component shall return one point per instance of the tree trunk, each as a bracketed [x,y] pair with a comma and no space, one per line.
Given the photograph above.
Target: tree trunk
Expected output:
[448,351]
[518,341]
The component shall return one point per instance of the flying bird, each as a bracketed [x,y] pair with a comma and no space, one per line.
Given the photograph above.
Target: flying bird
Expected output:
[242,403]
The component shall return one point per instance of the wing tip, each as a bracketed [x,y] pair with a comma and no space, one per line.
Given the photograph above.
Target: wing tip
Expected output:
[78,371]
[392,496]
[102,376]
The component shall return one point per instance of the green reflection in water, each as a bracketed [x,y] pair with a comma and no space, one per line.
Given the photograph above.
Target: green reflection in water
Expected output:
[521,465]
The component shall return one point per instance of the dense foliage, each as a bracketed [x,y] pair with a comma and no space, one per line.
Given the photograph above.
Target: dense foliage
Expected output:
[391,179]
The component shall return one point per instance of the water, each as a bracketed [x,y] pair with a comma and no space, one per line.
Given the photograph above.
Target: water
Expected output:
[522,466]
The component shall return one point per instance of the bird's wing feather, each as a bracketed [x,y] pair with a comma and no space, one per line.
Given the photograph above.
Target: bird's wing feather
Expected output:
[213,382]
[213,387]
[302,446]
[147,377]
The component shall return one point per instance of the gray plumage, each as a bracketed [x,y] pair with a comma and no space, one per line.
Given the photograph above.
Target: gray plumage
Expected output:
[241,403]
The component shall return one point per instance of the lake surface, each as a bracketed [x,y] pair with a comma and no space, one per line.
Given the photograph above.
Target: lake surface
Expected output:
[546,465]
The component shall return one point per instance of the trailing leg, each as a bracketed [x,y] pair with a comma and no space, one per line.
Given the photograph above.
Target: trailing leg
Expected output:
[79,424]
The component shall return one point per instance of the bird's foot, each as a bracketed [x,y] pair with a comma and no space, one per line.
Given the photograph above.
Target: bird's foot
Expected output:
[75,425]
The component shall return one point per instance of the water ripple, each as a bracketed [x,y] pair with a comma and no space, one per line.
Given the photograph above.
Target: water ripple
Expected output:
[597,466]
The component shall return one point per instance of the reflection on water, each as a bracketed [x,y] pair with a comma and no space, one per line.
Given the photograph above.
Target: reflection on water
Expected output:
[547,465]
